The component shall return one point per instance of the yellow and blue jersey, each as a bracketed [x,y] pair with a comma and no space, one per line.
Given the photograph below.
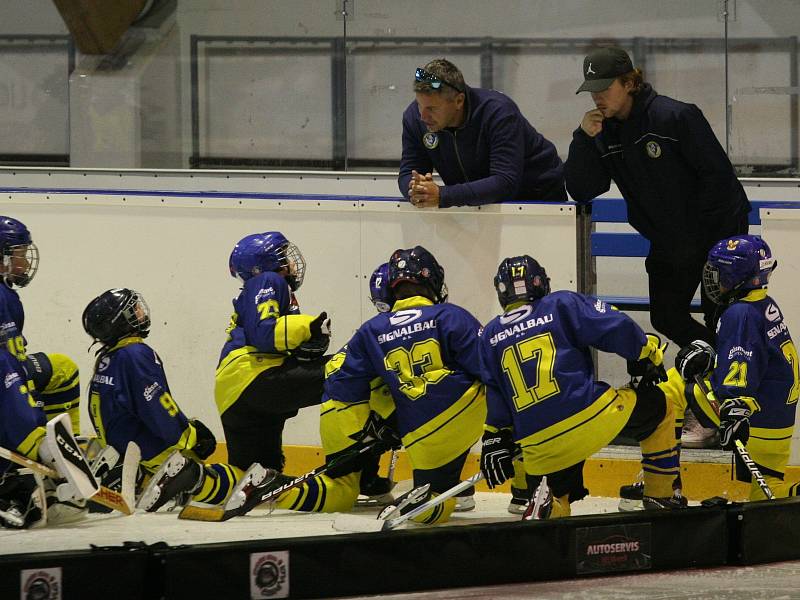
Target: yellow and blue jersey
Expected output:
[537,364]
[130,400]
[757,359]
[265,326]
[22,423]
[758,362]
[12,320]
[55,385]
[427,355]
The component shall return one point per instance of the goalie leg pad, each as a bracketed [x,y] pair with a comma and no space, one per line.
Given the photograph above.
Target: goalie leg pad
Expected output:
[61,449]
[63,504]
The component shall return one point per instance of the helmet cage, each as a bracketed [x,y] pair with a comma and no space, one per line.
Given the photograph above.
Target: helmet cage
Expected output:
[25,255]
[291,259]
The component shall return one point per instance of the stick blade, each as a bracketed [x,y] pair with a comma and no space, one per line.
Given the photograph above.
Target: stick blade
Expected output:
[357,523]
[202,513]
[130,469]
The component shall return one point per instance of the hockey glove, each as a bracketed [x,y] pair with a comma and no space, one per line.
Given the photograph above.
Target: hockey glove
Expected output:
[649,367]
[317,345]
[734,422]
[206,442]
[497,455]
[695,359]
[321,326]
[379,430]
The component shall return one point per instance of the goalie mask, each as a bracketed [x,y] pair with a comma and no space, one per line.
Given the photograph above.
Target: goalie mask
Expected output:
[520,279]
[417,265]
[20,256]
[269,251]
[735,266]
[379,291]
[116,314]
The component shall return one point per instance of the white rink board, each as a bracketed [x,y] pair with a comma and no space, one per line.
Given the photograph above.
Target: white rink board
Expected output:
[174,249]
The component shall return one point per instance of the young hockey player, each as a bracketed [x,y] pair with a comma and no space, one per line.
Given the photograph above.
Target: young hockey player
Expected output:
[130,400]
[53,378]
[341,432]
[753,380]
[542,395]
[426,351]
[273,361]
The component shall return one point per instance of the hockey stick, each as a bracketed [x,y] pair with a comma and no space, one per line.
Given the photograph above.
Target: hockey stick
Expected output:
[109,498]
[755,472]
[392,467]
[355,523]
[246,496]
[751,465]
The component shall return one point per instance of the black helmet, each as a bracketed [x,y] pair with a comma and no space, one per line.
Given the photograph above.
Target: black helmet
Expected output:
[116,314]
[417,265]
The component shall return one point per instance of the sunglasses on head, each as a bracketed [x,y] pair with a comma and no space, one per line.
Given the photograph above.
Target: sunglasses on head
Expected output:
[435,82]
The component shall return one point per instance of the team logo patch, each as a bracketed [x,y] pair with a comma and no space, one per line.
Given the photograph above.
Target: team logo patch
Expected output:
[269,574]
[431,140]
[516,315]
[772,313]
[103,364]
[11,379]
[401,317]
[653,149]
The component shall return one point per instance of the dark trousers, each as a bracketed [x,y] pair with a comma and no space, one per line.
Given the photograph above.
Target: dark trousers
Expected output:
[253,425]
[672,286]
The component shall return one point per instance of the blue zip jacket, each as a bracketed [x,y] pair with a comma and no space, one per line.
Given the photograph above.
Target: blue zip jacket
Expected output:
[495,156]
[680,188]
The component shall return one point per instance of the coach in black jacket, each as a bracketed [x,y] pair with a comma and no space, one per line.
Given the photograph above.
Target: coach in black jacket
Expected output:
[679,186]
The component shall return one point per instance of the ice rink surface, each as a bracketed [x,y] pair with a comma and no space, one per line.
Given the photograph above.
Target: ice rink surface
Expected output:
[114,529]
[774,581]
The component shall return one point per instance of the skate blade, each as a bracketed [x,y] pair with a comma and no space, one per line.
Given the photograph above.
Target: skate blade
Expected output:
[627,505]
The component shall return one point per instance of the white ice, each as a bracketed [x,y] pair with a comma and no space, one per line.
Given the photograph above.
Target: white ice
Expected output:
[114,529]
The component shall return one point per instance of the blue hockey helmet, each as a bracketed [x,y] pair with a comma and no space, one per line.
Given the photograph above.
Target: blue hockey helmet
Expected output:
[116,314]
[379,291]
[735,266]
[520,279]
[417,265]
[20,256]
[268,251]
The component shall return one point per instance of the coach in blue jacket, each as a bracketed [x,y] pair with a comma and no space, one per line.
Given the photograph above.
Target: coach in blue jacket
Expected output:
[679,186]
[477,140]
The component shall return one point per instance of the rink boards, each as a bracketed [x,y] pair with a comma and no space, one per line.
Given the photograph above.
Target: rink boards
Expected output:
[418,559]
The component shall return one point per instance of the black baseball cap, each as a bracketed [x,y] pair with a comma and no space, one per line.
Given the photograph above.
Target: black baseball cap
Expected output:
[602,66]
